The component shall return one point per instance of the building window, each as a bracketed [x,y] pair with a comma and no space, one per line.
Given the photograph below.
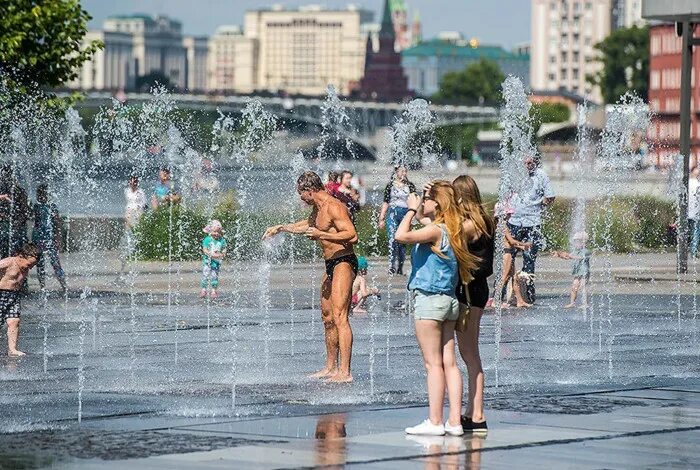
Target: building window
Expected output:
[563,74]
[574,74]
[552,59]
[564,57]
[552,77]
[654,80]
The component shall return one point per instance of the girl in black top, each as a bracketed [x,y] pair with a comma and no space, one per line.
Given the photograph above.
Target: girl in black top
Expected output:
[481,244]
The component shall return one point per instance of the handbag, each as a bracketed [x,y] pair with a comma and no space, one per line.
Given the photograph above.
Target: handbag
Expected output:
[465,303]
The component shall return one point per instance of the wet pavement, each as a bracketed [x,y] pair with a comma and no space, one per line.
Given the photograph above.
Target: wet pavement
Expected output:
[180,382]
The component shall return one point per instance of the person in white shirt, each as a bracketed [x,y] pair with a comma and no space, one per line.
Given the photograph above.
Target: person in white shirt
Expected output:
[528,206]
[135,205]
[694,210]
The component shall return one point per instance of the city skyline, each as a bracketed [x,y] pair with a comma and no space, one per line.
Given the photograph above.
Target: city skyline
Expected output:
[482,20]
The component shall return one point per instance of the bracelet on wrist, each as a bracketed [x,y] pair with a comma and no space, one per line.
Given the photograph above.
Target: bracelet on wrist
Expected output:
[414,210]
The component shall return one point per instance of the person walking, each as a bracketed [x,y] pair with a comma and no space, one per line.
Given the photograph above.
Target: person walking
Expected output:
[526,221]
[393,211]
[46,235]
[440,257]
[134,209]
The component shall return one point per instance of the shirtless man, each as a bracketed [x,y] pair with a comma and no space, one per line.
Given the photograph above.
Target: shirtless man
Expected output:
[330,225]
[13,272]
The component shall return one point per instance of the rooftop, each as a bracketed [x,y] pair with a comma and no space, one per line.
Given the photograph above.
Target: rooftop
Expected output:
[438,47]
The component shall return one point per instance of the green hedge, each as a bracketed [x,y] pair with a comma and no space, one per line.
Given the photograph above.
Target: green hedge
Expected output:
[626,224]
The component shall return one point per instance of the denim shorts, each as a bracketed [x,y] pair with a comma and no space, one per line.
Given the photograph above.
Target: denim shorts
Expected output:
[431,306]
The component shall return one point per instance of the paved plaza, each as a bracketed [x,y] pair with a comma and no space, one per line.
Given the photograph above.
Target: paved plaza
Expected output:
[162,379]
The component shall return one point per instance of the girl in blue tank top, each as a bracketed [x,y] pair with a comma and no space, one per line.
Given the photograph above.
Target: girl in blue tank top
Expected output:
[440,256]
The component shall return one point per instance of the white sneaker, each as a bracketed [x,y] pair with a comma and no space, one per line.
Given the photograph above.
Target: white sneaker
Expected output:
[453,430]
[426,428]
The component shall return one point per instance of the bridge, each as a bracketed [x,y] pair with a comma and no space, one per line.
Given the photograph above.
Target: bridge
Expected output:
[366,117]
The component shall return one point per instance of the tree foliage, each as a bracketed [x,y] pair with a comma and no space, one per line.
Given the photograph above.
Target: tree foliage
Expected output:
[479,81]
[624,56]
[542,113]
[41,42]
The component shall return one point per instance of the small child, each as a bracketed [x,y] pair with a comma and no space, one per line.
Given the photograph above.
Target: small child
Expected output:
[46,235]
[511,246]
[214,250]
[581,269]
[13,273]
[360,291]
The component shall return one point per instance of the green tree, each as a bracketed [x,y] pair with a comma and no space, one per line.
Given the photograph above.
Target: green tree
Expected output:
[624,56]
[478,81]
[41,42]
[542,113]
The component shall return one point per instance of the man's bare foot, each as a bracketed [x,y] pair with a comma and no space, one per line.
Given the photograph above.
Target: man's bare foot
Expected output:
[523,305]
[505,305]
[340,378]
[15,353]
[359,310]
[569,306]
[322,374]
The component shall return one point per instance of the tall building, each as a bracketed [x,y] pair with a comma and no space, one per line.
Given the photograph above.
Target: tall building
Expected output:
[197,54]
[233,61]
[305,50]
[426,63]
[627,13]
[665,92]
[139,45]
[384,79]
[111,68]
[157,45]
[563,35]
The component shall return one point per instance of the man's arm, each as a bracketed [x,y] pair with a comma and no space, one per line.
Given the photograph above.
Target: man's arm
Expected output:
[345,230]
[549,195]
[297,228]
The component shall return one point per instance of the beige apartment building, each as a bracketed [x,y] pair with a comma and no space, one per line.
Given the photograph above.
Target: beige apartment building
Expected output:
[233,61]
[304,50]
[563,35]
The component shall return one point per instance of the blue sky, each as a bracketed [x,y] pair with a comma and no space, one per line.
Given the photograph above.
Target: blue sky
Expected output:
[505,22]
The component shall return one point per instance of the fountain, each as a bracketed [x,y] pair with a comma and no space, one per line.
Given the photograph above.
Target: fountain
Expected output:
[252,362]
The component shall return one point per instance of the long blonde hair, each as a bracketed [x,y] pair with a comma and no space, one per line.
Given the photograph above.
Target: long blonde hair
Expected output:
[469,199]
[449,213]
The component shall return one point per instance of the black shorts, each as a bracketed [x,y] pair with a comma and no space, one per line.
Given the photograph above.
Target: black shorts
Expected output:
[332,263]
[9,304]
[478,291]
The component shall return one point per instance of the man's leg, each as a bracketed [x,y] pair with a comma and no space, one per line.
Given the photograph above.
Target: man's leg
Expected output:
[41,270]
[12,335]
[695,239]
[341,294]
[56,265]
[391,227]
[531,234]
[330,330]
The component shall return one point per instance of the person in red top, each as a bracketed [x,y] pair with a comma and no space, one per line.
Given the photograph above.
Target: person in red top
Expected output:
[333,183]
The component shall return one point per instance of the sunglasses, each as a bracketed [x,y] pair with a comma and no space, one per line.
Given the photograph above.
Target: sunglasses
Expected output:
[427,197]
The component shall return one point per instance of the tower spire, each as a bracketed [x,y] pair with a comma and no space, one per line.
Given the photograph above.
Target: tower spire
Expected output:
[387,23]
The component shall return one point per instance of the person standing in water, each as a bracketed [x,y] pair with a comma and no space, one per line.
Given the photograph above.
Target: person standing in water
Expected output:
[394,209]
[47,236]
[13,274]
[330,225]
